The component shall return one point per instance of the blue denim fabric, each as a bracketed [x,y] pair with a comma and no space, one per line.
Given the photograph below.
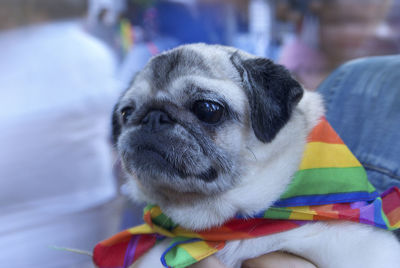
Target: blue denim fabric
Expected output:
[362,99]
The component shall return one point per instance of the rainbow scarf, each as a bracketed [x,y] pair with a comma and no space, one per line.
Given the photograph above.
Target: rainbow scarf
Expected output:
[330,185]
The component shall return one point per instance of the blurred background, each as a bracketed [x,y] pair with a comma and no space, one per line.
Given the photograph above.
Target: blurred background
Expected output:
[63,64]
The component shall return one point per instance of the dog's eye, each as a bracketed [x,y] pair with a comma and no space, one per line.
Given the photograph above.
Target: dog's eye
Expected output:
[126,112]
[208,111]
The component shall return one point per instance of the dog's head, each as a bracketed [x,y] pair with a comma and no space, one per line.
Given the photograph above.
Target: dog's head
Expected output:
[199,119]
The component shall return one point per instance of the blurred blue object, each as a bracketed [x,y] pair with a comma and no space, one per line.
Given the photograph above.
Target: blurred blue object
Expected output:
[56,182]
[363,105]
[176,20]
[140,54]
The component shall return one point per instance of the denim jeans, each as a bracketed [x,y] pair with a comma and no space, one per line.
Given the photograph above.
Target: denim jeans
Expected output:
[362,99]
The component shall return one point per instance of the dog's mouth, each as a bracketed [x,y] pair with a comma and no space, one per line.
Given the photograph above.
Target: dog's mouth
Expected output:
[152,150]
[158,159]
[154,154]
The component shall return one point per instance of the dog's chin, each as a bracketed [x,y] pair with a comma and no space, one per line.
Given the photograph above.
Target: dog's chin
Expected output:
[175,196]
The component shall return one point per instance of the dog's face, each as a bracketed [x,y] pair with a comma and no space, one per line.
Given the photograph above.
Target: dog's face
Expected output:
[189,124]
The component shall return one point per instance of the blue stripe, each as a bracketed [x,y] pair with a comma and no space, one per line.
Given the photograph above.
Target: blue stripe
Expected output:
[325,199]
[379,221]
[163,261]
[244,217]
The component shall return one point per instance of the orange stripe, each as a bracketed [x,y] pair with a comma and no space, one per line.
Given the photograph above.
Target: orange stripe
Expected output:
[147,218]
[326,215]
[319,208]
[121,237]
[394,216]
[217,245]
[323,132]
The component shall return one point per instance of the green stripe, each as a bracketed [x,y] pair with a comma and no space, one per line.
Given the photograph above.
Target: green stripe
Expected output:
[164,222]
[328,181]
[277,213]
[177,257]
[161,219]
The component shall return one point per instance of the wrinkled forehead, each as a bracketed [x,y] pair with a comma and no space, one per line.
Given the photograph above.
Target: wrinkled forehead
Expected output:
[186,71]
[166,68]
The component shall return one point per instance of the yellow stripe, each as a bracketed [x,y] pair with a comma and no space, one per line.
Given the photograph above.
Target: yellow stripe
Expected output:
[141,229]
[179,231]
[198,250]
[146,229]
[155,211]
[302,213]
[325,155]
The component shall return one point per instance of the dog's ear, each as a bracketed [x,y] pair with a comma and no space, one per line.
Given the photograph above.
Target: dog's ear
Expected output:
[272,94]
[116,125]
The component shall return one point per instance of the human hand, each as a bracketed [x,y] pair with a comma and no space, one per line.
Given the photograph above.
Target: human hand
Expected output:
[270,260]
[278,259]
[208,262]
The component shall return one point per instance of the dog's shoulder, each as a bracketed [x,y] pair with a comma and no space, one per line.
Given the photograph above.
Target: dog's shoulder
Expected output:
[312,107]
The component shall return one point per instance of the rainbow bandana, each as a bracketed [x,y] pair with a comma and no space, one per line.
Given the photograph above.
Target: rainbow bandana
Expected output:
[330,185]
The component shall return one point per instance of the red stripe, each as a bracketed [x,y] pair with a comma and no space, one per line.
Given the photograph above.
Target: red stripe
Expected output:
[145,243]
[241,229]
[110,256]
[323,132]
[391,200]
[341,206]
[113,256]
[350,215]
[273,226]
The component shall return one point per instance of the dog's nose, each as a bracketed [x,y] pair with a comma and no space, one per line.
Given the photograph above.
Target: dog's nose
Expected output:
[157,120]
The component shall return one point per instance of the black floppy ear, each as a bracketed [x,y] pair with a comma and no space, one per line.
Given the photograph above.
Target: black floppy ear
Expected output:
[272,94]
[116,125]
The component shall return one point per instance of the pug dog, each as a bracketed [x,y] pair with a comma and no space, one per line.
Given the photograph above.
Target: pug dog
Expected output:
[208,131]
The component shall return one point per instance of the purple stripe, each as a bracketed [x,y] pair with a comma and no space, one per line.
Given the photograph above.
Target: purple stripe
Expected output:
[131,250]
[388,191]
[301,222]
[359,204]
[367,214]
